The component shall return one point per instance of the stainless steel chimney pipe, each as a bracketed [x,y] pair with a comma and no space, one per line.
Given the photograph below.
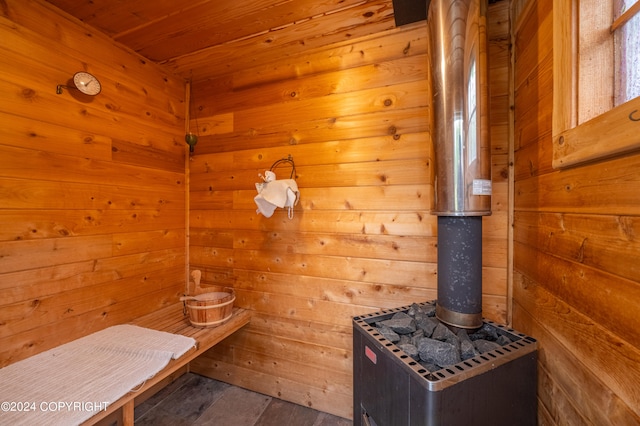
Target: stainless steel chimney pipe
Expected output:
[460,132]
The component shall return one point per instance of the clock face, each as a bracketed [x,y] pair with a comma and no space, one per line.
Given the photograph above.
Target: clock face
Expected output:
[87,83]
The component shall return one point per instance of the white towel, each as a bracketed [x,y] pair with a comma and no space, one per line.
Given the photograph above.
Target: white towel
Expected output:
[276,193]
[68,384]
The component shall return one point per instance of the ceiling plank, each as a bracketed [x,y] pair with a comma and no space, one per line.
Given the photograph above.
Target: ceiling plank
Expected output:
[277,45]
[213,24]
[116,16]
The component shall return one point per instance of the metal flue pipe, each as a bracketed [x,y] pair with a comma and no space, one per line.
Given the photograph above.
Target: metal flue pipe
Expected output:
[457,33]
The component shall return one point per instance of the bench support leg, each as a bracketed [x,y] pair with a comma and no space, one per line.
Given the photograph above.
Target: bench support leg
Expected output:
[127,413]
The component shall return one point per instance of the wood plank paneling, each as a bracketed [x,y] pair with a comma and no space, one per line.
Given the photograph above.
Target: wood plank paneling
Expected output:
[613,389]
[366,18]
[355,118]
[169,37]
[577,283]
[594,188]
[568,393]
[92,190]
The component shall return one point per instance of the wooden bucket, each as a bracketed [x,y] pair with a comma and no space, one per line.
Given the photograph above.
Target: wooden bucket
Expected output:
[208,310]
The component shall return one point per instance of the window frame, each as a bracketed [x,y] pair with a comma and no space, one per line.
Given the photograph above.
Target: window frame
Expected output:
[611,133]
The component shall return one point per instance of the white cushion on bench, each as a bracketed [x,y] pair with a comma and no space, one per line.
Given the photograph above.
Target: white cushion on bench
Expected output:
[85,375]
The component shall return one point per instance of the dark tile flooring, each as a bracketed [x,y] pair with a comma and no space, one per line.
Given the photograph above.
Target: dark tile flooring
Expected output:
[197,400]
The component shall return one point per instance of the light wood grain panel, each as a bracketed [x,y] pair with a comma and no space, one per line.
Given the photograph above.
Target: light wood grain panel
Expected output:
[225,267]
[499,107]
[37,224]
[43,102]
[394,123]
[612,360]
[271,360]
[209,237]
[230,351]
[289,390]
[48,31]
[574,283]
[537,84]
[21,255]
[400,172]
[534,39]
[559,406]
[405,197]
[213,124]
[329,334]
[84,180]
[28,194]
[301,309]
[499,197]
[299,352]
[211,199]
[566,252]
[499,134]
[493,225]
[211,23]
[567,389]
[361,238]
[22,345]
[379,47]
[57,279]
[339,222]
[391,98]
[150,156]
[137,242]
[535,123]
[534,159]
[275,352]
[304,88]
[375,246]
[578,145]
[368,18]
[46,166]
[563,277]
[331,290]
[37,135]
[607,243]
[377,148]
[115,17]
[609,188]
[36,313]
[368,270]
[39,89]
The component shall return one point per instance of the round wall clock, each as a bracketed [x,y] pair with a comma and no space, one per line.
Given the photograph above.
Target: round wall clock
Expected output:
[87,83]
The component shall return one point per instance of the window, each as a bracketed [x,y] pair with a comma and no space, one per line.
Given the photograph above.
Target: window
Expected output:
[472,107]
[626,30]
[596,105]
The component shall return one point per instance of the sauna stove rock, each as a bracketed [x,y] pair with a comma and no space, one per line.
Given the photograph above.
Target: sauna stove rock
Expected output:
[391,388]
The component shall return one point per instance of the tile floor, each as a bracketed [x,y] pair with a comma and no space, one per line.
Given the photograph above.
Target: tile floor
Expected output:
[197,400]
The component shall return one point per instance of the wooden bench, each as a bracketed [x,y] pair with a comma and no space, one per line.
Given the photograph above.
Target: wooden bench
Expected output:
[172,320]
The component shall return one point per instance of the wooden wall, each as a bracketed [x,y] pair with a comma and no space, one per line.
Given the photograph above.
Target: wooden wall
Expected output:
[577,280]
[92,190]
[355,117]
[93,194]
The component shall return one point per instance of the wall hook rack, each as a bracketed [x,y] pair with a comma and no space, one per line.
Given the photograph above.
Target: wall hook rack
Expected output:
[288,159]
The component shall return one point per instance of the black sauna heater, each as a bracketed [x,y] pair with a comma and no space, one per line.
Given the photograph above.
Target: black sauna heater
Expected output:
[392,388]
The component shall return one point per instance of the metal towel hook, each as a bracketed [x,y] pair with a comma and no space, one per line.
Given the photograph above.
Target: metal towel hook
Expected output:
[288,159]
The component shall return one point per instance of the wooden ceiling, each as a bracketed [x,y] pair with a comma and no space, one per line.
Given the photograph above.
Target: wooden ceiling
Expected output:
[206,39]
